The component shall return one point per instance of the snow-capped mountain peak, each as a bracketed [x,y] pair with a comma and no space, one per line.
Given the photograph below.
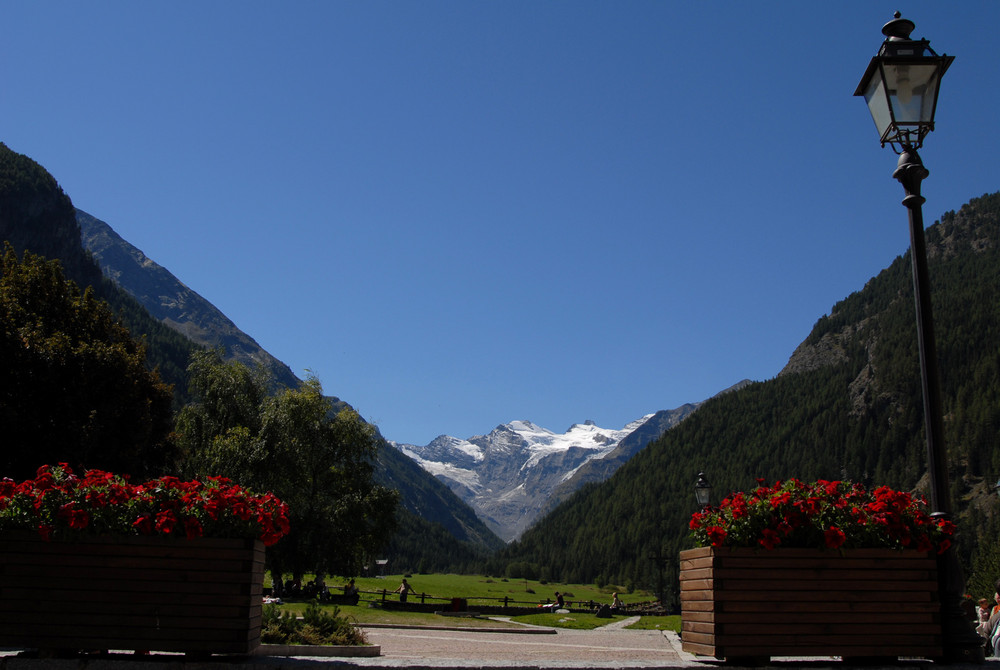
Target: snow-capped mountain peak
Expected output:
[508,475]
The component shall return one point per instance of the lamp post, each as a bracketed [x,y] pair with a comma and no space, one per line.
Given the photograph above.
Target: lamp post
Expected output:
[703,491]
[901,88]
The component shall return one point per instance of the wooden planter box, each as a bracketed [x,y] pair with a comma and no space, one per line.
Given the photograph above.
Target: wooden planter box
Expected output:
[745,603]
[198,596]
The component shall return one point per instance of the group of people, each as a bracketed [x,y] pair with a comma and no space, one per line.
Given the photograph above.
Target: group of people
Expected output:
[615,607]
[989,622]
[314,589]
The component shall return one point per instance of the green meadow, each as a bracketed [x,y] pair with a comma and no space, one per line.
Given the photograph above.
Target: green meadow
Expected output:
[476,589]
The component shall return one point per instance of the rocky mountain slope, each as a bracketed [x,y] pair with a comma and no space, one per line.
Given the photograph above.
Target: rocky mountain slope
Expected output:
[167,298]
[511,475]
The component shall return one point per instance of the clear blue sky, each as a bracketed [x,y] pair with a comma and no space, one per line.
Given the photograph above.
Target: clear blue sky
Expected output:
[459,214]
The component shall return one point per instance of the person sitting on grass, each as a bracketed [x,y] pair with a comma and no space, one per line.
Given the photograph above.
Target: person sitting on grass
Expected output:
[351,593]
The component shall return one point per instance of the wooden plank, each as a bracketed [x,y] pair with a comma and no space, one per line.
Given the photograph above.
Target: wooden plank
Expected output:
[877,651]
[698,649]
[698,627]
[698,606]
[798,554]
[828,628]
[874,617]
[58,583]
[696,573]
[792,582]
[824,574]
[21,605]
[779,641]
[703,594]
[828,561]
[931,605]
[697,584]
[697,638]
[896,598]
[695,553]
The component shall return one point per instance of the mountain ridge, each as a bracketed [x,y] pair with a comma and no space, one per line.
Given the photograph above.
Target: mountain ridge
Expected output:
[509,475]
[171,301]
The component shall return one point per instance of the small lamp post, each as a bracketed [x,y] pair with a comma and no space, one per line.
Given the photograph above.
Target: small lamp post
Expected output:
[901,88]
[703,491]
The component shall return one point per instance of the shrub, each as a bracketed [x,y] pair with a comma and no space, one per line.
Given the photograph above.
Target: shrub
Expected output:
[316,627]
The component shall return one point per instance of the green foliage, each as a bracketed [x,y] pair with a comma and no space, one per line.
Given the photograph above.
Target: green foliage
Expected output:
[167,351]
[858,417]
[291,444]
[420,546]
[522,570]
[74,387]
[316,627]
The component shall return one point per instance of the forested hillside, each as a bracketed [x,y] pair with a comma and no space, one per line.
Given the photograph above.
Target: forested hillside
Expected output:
[848,406]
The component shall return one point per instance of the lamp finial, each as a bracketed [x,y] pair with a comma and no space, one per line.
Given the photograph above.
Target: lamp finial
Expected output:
[898,28]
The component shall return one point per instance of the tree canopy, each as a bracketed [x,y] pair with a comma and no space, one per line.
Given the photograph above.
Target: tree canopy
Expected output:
[73,387]
[293,445]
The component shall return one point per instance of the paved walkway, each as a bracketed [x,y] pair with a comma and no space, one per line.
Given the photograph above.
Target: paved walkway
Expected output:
[610,646]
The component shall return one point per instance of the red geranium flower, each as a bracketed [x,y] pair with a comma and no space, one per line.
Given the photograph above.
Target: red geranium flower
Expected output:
[56,501]
[834,537]
[717,535]
[824,514]
[770,539]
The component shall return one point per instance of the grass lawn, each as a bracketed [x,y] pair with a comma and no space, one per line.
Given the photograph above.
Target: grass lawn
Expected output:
[476,589]
[590,621]
[672,622]
[573,620]
[483,590]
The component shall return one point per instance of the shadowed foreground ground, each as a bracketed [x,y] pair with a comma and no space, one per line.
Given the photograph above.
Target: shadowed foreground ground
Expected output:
[545,649]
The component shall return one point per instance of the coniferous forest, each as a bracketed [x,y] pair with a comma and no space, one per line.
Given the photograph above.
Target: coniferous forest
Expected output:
[848,406]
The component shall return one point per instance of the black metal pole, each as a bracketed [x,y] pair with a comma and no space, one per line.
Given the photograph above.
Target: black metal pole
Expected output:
[961,643]
[911,172]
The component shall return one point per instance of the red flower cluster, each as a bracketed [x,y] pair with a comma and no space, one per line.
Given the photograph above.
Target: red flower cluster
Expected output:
[821,515]
[57,500]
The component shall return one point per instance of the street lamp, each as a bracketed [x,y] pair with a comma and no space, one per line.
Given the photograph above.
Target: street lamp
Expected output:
[901,88]
[703,491]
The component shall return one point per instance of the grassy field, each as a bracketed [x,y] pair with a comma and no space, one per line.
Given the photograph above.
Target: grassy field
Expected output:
[441,588]
[484,590]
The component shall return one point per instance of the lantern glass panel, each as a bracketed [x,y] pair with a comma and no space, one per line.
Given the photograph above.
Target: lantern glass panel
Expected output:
[912,90]
[878,104]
